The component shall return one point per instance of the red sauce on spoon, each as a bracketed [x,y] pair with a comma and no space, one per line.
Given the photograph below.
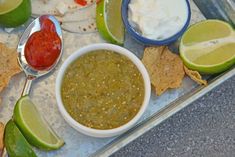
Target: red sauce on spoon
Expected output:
[43,47]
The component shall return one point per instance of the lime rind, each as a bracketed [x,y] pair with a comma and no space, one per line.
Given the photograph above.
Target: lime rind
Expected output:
[15,142]
[102,24]
[207,69]
[29,134]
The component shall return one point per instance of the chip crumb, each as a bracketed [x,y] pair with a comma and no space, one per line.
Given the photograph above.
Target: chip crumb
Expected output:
[164,67]
[9,65]
[195,75]
[1,138]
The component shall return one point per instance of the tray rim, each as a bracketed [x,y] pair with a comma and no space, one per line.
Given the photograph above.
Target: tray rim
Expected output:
[163,114]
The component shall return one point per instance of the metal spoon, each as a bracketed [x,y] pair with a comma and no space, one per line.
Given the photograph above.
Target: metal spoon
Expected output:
[32,74]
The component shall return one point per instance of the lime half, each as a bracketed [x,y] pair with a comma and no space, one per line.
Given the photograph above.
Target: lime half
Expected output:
[14,12]
[208,46]
[34,127]
[109,21]
[15,143]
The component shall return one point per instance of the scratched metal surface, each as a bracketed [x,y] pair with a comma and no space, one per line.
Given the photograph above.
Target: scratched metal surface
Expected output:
[43,94]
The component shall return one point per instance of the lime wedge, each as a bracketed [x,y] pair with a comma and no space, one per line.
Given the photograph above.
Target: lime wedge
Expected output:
[14,12]
[208,46]
[34,127]
[109,21]
[15,143]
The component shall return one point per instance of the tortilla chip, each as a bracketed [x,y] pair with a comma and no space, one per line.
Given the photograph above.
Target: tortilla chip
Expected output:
[194,75]
[73,17]
[9,65]
[164,67]
[81,27]
[42,7]
[1,138]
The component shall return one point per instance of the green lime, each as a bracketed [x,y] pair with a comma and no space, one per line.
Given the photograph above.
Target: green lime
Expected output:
[208,46]
[15,142]
[14,12]
[109,21]
[33,126]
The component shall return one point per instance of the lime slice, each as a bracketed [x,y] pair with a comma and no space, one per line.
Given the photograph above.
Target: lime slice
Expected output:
[34,127]
[14,12]
[109,21]
[208,46]
[15,143]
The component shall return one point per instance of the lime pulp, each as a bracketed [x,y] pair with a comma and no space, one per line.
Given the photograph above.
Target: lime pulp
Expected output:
[13,13]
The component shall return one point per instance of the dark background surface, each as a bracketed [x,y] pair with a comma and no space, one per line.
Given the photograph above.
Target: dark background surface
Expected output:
[206,128]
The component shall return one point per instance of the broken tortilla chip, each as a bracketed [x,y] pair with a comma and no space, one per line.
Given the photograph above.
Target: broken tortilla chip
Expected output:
[1,138]
[9,65]
[164,67]
[194,75]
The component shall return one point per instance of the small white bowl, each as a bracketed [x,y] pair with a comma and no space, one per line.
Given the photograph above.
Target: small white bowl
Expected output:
[95,132]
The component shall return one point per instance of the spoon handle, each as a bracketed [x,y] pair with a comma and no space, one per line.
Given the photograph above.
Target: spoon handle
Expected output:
[27,85]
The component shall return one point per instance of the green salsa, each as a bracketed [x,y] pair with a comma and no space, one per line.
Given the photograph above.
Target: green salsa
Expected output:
[102,90]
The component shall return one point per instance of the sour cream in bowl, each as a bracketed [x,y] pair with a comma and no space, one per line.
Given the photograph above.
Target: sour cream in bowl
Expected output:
[156,22]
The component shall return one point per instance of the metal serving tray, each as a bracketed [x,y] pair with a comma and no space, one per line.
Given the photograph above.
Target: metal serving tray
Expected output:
[79,145]
[210,9]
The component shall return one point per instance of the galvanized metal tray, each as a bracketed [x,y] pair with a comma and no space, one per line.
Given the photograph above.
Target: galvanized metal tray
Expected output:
[209,9]
[77,144]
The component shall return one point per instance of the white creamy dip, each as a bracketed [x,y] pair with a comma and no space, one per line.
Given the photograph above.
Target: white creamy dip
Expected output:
[157,19]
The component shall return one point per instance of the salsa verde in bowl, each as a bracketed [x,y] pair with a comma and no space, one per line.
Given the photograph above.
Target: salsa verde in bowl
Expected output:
[102,90]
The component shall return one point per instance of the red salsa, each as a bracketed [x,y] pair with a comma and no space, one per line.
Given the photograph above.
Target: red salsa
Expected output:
[81,2]
[43,47]
[84,2]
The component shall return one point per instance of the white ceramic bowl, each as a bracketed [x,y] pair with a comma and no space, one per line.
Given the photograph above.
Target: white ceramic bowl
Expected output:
[95,132]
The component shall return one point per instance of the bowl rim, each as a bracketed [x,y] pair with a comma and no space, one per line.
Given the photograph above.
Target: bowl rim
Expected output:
[144,40]
[96,132]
